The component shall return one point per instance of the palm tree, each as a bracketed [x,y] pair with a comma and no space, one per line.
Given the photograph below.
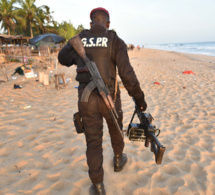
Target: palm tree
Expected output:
[43,12]
[9,15]
[67,30]
[79,29]
[29,12]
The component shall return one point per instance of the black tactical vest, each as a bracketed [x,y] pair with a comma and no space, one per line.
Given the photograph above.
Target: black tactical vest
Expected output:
[98,47]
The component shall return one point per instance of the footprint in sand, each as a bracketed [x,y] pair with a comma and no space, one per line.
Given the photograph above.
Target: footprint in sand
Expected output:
[53,177]
[66,160]
[70,135]
[211,114]
[199,174]
[205,127]
[10,112]
[51,130]
[56,137]
[206,145]
[21,164]
[160,180]
[166,159]
[18,166]
[185,166]
[30,137]
[39,186]
[18,144]
[169,147]
[194,154]
[210,156]
[4,152]
[60,121]
[145,155]
[141,180]
[174,183]
[39,148]
[11,134]
[190,139]
[69,151]
[46,139]
[212,168]
[17,121]
[46,164]
[206,135]
[2,110]
[184,128]
[170,170]
[28,180]
[179,154]
[40,130]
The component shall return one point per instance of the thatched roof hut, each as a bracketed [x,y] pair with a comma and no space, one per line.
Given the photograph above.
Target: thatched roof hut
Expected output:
[13,39]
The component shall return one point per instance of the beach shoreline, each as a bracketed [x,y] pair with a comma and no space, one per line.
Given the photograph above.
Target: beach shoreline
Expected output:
[199,48]
[40,152]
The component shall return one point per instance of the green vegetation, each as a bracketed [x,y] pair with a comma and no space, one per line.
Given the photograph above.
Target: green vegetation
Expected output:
[23,17]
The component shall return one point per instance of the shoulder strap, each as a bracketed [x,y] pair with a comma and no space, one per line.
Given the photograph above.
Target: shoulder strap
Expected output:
[113,33]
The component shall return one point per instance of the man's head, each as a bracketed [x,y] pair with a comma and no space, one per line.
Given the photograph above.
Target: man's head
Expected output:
[100,16]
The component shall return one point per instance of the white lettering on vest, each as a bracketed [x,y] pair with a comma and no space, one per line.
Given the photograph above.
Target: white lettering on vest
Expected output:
[95,42]
[104,42]
[84,41]
[91,42]
[98,42]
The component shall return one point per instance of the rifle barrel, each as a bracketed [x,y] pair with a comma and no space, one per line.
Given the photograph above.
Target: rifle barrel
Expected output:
[116,123]
[110,100]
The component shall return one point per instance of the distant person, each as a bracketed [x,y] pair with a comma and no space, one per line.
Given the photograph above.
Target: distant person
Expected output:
[109,52]
[130,47]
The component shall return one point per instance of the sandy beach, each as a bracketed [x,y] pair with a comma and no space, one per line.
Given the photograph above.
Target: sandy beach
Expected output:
[41,153]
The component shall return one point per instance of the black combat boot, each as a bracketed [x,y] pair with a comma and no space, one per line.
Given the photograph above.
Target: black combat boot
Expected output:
[97,189]
[119,161]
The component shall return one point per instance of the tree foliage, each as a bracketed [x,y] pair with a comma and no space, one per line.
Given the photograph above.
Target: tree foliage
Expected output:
[8,15]
[67,30]
[29,20]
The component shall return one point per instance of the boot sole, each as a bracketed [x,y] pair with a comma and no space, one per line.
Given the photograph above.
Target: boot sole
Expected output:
[120,168]
[117,170]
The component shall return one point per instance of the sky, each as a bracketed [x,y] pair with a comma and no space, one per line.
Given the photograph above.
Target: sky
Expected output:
[143,22]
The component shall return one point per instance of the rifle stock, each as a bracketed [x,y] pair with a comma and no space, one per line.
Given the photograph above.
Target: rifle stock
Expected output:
[79,48]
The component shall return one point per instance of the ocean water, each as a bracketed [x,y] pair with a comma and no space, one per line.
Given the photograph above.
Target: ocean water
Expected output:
[203,48]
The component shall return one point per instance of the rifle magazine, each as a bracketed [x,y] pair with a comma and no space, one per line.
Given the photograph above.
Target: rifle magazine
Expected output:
[87,91]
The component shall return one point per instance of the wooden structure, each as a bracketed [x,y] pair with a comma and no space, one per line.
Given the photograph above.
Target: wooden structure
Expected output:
[44,53]
[14,46]
[2,67]
[4,72]
[14,39]
[60,81]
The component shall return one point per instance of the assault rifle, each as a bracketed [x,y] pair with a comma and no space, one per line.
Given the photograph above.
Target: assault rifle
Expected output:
[97,81]
[147,132]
